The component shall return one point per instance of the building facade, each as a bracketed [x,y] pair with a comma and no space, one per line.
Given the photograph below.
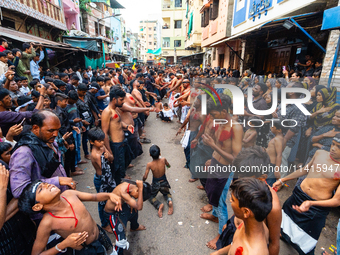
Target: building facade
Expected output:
[173,30]
[266,35]
[72,13]
[148,37]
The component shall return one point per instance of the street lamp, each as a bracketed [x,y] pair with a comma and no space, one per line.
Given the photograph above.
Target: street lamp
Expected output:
[98,20]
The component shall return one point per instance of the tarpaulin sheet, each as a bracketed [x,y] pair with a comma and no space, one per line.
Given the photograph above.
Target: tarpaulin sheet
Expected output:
[94,62]
[84,44]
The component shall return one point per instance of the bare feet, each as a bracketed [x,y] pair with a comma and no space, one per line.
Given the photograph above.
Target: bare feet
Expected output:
[192,180]
[108,229]
[88,157]
[140,228]
[171,208]
[212,244]
[208,216]
[82,162]
[127,177]
[160,211]
[206,208]
[77,172]
[200,187]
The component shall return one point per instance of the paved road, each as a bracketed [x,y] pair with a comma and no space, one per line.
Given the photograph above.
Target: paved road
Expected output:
[165,236]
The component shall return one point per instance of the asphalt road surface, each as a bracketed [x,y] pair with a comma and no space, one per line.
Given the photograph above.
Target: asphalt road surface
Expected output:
[184,232]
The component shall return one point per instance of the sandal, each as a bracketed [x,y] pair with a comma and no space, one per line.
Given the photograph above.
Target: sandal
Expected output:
[145,140]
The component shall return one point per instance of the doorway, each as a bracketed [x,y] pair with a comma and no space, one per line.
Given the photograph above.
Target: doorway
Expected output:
[221,60]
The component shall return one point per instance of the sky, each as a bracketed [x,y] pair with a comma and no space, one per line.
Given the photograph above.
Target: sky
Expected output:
[137,10]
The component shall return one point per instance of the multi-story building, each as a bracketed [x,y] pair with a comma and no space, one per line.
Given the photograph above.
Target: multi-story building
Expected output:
[134,46]
[148,36]
[216,18]
[44,19]
[173,30]
[116,34]
[72,13]
[193,32]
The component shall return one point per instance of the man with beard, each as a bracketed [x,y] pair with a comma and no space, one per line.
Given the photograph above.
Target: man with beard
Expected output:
[36,156]
[129,112]
[112,126]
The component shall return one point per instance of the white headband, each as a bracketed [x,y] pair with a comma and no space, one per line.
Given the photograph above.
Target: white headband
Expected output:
[22,106]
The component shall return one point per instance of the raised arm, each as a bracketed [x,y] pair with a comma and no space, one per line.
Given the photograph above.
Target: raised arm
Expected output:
[105,128]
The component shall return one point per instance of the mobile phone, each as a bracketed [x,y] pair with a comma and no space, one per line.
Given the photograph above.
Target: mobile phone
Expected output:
[284,68]
[22,122]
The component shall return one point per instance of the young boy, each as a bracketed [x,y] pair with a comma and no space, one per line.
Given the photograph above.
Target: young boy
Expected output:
[250,136]
[251,201]
[159,181]
[103,179]
[166,114]
[66,215]
[158,106]
[275,149]
[128,192]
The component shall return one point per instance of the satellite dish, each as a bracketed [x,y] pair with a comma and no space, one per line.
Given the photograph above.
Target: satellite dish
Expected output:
[93,5]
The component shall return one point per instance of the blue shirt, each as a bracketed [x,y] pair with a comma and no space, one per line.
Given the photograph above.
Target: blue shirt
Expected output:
[34,66]
[101,102]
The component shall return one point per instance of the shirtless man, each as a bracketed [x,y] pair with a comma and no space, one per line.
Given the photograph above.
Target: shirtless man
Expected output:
[251,237]
[130,207]
[67,216]
[323,177]
[250,136]
[129,112]
[195,119]
[275,148]
[113,126]
[226,145]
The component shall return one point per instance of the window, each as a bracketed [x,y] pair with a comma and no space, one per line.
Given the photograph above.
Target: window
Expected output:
[149,28]
[150,57]
[205,18]
[150,43]
[214,9]
[154,43]
[178,3]
[166,42]
[155,29]
[178,24]
[178,43]
[149,36]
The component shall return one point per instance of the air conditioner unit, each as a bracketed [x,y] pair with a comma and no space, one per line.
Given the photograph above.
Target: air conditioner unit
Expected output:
[93,5]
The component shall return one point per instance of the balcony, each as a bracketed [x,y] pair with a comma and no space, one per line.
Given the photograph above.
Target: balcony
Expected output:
[44,11]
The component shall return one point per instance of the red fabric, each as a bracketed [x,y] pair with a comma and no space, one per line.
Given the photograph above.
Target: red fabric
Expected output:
[2,48]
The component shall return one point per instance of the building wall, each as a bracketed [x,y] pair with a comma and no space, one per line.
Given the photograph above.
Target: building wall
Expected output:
[117,35]
[71,12]
[218,29]
[243,20]
[196,33]
[169,15]
[148,36]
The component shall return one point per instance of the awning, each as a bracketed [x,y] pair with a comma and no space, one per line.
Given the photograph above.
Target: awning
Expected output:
[273,26]
[116,5]
[195,54]
[23,37]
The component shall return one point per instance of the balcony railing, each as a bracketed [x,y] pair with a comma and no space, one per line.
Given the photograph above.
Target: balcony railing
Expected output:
[52,14]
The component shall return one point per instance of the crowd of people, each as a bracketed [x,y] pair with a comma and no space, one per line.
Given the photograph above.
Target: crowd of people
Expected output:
[46,117]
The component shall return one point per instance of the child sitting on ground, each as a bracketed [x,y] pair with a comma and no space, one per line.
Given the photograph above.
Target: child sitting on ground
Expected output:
[128,192]
[158,106]
[159,181]
[166,114]
[66,215]
[103,179]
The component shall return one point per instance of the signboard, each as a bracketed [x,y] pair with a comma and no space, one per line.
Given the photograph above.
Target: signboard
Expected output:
[331,19]
[257,7]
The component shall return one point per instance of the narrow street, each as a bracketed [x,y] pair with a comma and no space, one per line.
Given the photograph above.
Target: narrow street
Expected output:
[166,236]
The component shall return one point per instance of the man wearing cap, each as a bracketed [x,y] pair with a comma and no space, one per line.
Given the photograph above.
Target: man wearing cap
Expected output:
[34,64]
[300,228]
